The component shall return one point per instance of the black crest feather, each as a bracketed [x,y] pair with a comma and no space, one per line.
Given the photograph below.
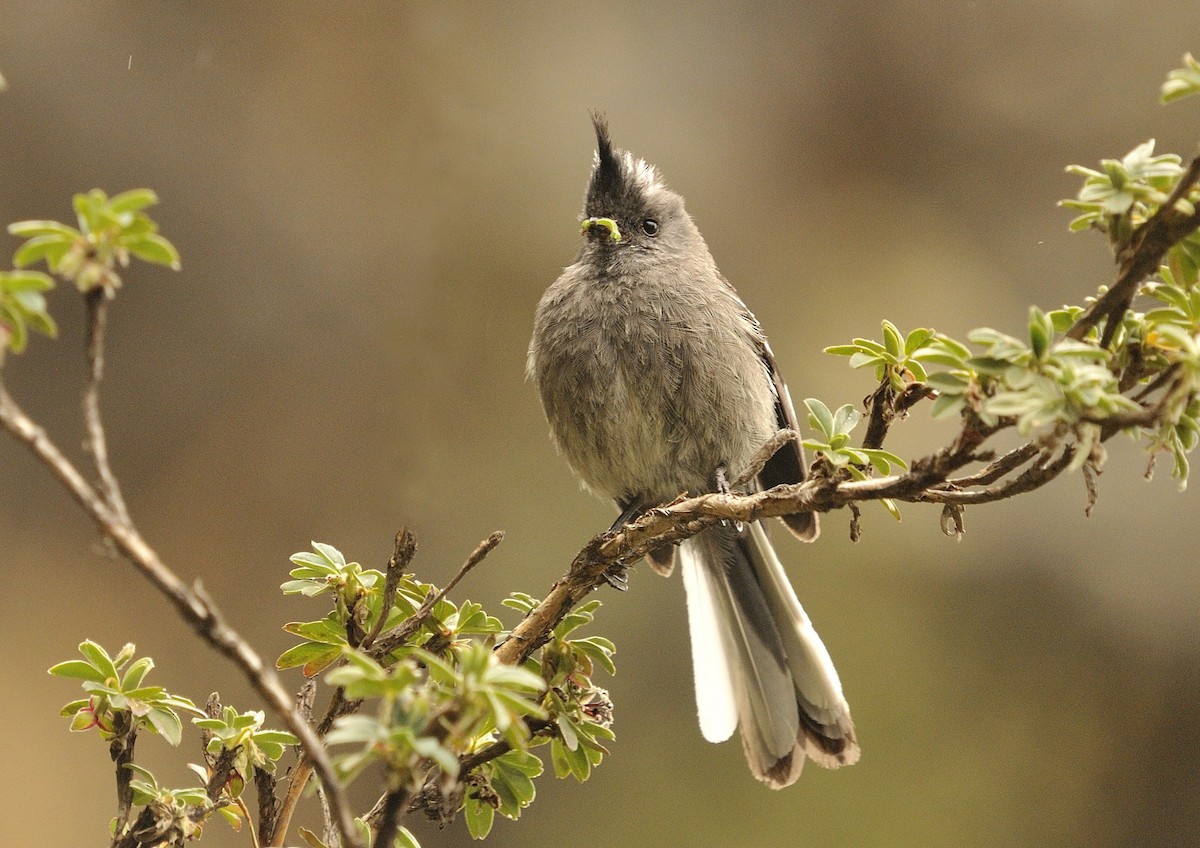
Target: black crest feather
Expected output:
[608,177]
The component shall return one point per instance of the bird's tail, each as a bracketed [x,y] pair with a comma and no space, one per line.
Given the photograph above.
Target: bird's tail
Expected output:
[758,662]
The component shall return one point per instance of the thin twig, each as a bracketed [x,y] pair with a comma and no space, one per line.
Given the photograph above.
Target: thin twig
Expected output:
[339,706]
[329,830]
[403,551]
[1031,478]
[394,805]
[998,468]
[96,301]
[401,633]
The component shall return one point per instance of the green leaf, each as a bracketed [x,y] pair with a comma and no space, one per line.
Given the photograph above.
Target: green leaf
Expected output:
[1182,82]
[321,630]
[89,209]
[845,419]
[99,658]
[953,347]
[819,417]
[310,838]
[29,229]
[989,364]
[947,382]
[25,282]
[154,248]
[77,669]
[48,247]
[331,554]
[871,346]
[405,839]
[135,673]
[480,816]
[917,339]
[891,339]
[947,405]
[863,359]
[567,730]
[166,723]
[1041,332]
[134,200]
[313,656]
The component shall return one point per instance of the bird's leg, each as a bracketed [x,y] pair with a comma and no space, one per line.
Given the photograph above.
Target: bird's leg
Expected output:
[629,512]
[721,485]
[662,559]
[615,576]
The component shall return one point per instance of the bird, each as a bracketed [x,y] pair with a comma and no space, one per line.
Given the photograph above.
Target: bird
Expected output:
[656,381]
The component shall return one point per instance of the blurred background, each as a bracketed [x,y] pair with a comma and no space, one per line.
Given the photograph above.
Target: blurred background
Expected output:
[369,200]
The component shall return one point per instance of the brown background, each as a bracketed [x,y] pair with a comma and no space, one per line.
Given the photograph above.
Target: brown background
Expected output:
[369,200]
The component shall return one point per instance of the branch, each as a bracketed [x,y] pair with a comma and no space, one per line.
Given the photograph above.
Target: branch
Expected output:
[96,301]
[616,550]
[400,634]
[381,645]
[395,804]
[121,750]
[193,605]
[1140,258]
[885,405]
[403,551]
[1034,477]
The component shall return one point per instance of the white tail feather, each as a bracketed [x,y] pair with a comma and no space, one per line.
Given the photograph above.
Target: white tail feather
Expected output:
[816,678]
[716,702]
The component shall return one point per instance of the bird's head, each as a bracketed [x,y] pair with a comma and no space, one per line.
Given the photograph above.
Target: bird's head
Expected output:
[628,207]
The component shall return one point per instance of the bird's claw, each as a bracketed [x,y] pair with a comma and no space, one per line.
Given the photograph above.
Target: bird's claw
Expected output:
[616,578]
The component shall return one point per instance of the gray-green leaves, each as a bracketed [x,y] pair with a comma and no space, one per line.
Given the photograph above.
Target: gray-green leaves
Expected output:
[1182,82]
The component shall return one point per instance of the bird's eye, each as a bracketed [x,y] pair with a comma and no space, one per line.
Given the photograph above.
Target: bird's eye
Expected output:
[650,227]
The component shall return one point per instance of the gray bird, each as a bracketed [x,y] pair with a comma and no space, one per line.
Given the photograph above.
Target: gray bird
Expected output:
[657,380]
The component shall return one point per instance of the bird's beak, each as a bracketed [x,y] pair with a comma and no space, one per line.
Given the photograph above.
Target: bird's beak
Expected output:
[607,223]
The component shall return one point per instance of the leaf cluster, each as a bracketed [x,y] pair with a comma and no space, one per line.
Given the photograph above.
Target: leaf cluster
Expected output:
[1182,82]
[833,447]
[1056,385]
[438,698]
[110,230]
[360,600]
[117,701]
[120,704]
[23,308]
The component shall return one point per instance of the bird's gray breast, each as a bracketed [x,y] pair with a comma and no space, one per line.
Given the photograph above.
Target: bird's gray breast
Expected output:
[649,389]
